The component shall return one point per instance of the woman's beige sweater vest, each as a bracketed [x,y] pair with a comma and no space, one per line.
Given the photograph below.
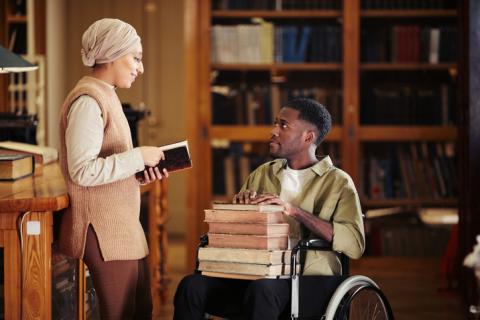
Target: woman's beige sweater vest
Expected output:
[112,209]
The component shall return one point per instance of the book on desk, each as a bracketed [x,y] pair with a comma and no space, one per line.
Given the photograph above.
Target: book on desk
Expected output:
[16,166]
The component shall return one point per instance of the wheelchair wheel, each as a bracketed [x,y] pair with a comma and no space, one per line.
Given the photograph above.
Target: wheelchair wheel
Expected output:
[358,297]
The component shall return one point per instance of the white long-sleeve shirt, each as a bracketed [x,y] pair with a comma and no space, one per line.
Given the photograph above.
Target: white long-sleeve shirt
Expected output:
[83,137]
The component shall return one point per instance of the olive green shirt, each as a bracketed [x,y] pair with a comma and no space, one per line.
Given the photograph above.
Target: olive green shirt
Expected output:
[329,193]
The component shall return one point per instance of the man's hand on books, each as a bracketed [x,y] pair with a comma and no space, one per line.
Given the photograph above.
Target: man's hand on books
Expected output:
[251,197]
[270,198]
[151,156]
[245,196]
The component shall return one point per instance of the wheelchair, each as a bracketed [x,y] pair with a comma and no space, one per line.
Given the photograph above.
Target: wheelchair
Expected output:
[345,296]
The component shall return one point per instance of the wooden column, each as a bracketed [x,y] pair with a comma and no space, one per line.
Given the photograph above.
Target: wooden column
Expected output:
[469,134]
[197,68]
[351,103]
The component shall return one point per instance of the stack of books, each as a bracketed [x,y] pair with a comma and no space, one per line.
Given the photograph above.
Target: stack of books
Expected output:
[245,242]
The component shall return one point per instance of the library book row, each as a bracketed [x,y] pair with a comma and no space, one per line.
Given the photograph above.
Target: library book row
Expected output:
[266,43]
[422,170]
[425,170]
[259,104]
[409,43]
[328,4]
[275,4]
[381,103]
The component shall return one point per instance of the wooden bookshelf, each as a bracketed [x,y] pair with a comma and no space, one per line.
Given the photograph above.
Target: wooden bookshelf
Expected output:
[16,19]
[279,67]
[290,14]
[423,13]
[447,202]
[22,30]
[351,135]
[407,133]
[256,133]
[450,67]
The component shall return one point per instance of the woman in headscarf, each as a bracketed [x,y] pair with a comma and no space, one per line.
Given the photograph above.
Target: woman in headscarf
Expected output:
[99,164]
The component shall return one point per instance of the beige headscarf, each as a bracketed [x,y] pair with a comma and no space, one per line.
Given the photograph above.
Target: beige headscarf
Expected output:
[107,40]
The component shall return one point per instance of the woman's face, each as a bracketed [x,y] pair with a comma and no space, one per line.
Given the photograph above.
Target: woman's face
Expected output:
[126,68]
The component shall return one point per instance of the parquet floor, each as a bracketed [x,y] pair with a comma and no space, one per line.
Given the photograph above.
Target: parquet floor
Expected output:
[410,284]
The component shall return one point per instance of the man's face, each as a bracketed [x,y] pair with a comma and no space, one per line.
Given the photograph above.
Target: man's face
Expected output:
[288,137]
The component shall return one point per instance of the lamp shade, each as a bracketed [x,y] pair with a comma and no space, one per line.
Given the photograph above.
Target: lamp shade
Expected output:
[11,62]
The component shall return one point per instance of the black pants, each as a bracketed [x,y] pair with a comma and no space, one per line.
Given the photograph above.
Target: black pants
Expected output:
[262,299]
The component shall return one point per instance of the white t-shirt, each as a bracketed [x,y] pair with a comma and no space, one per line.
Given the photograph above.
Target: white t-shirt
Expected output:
[291,182]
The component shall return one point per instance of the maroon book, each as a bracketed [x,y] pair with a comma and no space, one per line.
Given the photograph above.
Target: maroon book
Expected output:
[177,157]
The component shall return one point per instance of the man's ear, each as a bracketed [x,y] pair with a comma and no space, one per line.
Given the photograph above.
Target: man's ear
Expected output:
[310,136]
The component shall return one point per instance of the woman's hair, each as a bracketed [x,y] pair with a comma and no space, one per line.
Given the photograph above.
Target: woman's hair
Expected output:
[314,113]
[107,40]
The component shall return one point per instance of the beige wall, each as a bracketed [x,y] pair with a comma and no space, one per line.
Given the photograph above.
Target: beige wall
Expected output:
[161,89]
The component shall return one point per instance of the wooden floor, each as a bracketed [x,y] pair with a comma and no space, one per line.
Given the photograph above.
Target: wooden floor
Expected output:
[410,284]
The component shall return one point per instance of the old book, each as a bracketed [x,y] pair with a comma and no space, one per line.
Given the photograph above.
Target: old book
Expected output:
[243,216]
[247,207]
[16,166]
[244,255]
[177,157]
[248,228]
[238,276]
[244,268]
[276,242]
[42,154]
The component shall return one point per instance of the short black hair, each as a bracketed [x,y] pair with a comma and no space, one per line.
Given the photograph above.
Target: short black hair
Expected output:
[314,113]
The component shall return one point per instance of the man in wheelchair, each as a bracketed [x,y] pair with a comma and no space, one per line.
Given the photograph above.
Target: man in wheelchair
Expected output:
[319,201]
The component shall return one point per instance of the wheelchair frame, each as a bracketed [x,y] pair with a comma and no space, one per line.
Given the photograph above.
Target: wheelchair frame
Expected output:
[338,306]
[339,303]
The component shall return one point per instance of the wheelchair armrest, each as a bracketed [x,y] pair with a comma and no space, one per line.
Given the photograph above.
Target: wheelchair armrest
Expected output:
[203,243]
[312,244]
[316,245]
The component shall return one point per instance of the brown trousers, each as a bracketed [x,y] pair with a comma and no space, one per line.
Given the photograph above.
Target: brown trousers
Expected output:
[122,286]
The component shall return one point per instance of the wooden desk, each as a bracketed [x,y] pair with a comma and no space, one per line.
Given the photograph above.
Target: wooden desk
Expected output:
[36,199]
[27,271]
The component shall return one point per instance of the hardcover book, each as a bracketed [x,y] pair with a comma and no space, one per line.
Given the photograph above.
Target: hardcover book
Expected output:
[16,166]
[262,270]
[247,207]
[276,242]
[244,255]
[177,157]
[237,276]
[243,216]
[249,228]
[42,154]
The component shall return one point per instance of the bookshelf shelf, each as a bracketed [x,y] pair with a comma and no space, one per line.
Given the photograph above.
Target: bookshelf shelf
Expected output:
[434,13]
[279,67]
[448,202]
[256,133]
[280,14]
[407,133]
[16,19]
[451,67]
